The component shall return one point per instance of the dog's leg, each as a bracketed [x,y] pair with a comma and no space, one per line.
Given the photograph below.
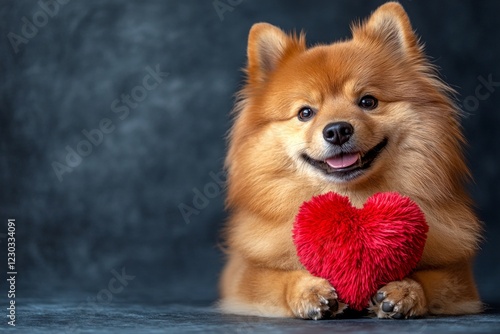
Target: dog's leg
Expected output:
[252,290]
[448,291]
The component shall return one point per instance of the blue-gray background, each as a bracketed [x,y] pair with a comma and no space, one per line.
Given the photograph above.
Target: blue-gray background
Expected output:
[119,207]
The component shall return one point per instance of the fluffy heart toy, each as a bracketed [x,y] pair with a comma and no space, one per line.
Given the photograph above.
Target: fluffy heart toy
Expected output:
[360,250]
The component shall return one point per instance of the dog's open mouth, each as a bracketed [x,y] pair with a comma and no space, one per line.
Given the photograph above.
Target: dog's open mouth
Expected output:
[347,166]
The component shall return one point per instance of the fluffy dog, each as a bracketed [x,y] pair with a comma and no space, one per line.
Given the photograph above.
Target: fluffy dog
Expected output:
[356,117]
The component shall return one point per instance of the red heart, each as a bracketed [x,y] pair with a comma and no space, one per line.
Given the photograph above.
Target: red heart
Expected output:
[360,250]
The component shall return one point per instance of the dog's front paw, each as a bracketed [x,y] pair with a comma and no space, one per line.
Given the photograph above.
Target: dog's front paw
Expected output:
[313,298]
[399,300]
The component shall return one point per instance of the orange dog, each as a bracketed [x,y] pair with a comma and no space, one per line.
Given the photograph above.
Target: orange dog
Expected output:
[356,117]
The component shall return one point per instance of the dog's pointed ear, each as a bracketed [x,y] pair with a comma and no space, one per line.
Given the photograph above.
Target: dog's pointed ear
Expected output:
[267,47]
[390,26]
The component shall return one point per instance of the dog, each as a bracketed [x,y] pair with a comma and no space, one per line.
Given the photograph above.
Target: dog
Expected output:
[356,117]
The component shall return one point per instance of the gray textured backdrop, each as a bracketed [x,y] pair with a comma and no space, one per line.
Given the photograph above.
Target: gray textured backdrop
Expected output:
[79,66]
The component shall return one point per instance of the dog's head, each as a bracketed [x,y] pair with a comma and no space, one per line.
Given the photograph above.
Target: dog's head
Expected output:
[350,111]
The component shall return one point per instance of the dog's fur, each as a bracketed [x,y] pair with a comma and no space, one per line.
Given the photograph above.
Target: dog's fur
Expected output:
[269,178]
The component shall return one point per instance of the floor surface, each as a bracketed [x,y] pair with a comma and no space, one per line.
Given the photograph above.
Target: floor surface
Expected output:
[34,316]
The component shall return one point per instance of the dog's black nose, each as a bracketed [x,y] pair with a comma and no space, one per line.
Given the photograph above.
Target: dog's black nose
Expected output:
[338,133]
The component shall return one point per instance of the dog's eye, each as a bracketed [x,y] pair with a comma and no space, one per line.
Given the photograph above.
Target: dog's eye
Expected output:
[305,114]
[368,102]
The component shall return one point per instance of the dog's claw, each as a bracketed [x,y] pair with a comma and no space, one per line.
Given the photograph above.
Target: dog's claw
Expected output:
[380,296]
[314,314]
[398,316]
[387,307]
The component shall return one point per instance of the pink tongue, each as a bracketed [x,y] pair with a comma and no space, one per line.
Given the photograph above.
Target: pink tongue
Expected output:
[343,161]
